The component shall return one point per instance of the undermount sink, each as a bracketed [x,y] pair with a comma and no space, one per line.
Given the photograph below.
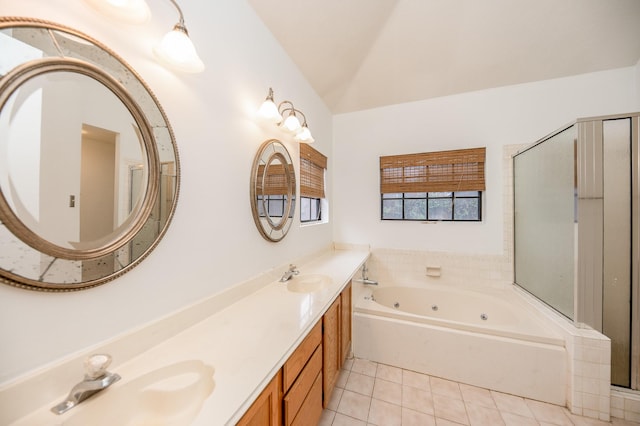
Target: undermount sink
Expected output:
[308,283]
[171,395]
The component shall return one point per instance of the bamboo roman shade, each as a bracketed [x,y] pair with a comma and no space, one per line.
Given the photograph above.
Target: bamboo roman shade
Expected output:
[442,171]
[312,166]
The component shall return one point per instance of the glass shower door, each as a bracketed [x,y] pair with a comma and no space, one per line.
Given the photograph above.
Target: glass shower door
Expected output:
[545,220]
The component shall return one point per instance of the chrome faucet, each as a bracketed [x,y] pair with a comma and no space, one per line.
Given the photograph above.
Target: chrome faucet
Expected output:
[96,378]
[289,274]
[365,277]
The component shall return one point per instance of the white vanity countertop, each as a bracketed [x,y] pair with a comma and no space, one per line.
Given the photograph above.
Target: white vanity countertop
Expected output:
[246,343]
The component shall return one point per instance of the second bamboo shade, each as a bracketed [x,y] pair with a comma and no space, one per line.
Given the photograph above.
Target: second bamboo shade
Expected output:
[442,171]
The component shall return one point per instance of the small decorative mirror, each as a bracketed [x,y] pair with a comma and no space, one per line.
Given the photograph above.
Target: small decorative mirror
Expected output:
[273,190]
[88,164]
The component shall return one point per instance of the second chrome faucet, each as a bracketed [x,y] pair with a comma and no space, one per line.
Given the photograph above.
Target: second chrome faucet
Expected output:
[365,277]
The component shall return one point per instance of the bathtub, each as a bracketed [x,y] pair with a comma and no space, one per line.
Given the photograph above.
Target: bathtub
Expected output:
[492,339]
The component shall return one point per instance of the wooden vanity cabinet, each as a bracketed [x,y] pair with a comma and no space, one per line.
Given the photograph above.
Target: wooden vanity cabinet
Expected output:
[336,340]
[266,410]
[331,349]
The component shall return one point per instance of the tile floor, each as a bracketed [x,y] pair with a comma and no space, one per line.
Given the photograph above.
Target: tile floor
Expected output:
[369,393]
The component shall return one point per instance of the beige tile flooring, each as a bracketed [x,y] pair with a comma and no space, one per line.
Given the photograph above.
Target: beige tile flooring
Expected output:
[369,393]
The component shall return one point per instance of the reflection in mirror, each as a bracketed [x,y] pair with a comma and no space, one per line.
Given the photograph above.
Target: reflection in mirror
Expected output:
[273,190]
[88,165]
[53,155]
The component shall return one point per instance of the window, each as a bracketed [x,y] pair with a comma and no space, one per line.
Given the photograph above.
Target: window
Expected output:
[312,167]
[310,209]
[451,206]
[445,185]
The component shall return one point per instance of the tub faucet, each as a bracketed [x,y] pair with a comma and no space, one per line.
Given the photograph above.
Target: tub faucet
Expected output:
[289,274]
[365,277]
[96,378]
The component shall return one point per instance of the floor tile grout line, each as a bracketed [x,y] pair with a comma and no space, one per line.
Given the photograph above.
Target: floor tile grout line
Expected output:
[564,415]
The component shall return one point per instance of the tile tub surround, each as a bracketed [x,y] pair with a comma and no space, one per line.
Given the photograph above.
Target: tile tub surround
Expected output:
[237,340]
[625,404]
[409,267]
[370,393]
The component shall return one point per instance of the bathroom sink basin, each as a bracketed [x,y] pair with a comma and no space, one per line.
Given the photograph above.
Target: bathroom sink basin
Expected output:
[171,395]
[308,283]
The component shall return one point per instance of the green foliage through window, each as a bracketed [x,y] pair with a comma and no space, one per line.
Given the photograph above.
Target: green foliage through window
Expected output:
[463,206]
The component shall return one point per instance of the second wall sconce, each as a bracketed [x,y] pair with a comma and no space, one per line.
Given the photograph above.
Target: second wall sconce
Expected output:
[175,50]
[274,114]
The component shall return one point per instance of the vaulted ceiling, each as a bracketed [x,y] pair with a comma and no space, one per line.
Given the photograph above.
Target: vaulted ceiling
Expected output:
[360,54]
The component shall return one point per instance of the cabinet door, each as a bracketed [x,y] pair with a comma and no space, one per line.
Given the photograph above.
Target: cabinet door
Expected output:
[311,410]
[266,411]
[299,394]
[330,349]
[345,323]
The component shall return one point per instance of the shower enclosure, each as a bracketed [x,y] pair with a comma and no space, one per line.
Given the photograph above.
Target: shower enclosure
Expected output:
[576,230]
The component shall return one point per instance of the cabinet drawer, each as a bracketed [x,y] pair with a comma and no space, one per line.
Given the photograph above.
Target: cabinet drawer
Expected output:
[311,409]
[295,398]
[299,358]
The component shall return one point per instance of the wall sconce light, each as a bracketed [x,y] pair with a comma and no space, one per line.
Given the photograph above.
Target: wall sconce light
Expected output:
[175,50]
[274,114]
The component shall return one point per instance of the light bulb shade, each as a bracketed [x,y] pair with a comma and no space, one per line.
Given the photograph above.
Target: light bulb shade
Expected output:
[304,135]
[269,111]
[177,51]
[292,124]
[132,11]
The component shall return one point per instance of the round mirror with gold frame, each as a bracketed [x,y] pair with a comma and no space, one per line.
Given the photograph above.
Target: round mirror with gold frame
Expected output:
[89,171]
[273,190]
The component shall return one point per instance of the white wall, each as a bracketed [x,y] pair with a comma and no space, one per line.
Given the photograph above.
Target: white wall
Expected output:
[212,243]
[492,118]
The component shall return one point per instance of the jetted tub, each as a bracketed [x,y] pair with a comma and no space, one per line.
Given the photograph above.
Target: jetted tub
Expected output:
[494,339]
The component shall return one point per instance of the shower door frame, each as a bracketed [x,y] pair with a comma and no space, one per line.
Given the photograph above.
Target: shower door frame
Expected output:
[635,251]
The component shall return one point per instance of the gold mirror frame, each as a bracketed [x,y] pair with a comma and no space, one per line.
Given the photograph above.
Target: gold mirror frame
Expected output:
[51,270]
[269,152]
